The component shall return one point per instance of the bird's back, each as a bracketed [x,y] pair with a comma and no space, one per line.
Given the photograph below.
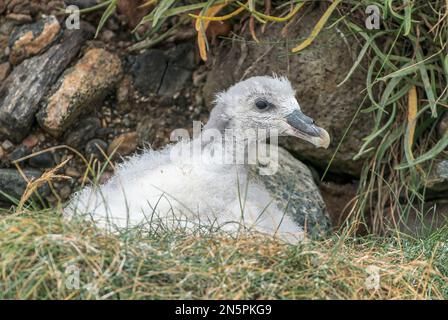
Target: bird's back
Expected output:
[153,188]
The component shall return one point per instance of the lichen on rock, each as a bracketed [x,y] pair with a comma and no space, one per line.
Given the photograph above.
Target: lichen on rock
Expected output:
[78,89]
[32,39]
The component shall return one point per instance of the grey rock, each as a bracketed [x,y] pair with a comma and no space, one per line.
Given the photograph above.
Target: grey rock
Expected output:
[42,161]
[315,73]
[296,193]
[163,73]
[82,132]
[438,179]
[22,91]
[19,152]
[79,89]
[96,148]
[179,70]
[31,39]
[12,184]
[148,70]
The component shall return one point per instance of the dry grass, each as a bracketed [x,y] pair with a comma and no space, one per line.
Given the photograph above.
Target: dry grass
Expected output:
[39,251]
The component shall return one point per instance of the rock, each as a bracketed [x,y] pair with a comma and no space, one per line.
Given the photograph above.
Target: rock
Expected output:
[19,152]
[13,184]
[442,127]
[42,161]
[296,192]
[65,192]
[148,70]
[6,28]
[30,7]
[32,39]
[7,145]
[437,183]
[96,148]
[163,73]
[83,132]
[22,91]
[107,36]
[19,18]
[5,69]
[79,89]
[338,198]
[315,73]
[123,145]
[124,94]
[82,4]
[31,141]
[72,172]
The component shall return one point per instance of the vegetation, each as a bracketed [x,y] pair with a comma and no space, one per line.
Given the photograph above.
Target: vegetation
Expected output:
[406,92]
[406,62]
[42,256]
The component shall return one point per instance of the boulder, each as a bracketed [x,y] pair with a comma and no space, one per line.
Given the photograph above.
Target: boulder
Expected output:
[437,183]
[162,72]
[315,73]
[32,39]
[27,84]
[13,185]
[296,193]
[79,89]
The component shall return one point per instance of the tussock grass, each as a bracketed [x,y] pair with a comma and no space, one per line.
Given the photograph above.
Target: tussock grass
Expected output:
[406,93]
[41,253]
[406,90]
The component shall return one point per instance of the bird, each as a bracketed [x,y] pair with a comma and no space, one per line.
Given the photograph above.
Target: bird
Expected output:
[178,188]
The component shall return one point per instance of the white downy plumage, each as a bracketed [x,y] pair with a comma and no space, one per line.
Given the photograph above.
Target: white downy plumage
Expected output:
[184,192]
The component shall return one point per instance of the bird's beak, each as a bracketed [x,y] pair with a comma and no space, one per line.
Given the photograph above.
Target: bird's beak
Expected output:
[303,127]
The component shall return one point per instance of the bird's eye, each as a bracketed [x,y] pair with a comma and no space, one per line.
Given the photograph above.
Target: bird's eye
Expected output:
[261,104]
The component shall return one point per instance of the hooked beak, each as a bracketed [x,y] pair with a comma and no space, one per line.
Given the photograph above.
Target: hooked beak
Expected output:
[303,127]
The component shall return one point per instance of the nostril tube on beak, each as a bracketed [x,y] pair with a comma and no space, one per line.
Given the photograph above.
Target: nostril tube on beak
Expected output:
[302,122]
[305,128]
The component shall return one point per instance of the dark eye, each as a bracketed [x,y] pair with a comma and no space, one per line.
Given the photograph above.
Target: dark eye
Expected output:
[261,104]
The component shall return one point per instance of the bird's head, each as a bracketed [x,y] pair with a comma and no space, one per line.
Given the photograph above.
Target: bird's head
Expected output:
[266,103]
